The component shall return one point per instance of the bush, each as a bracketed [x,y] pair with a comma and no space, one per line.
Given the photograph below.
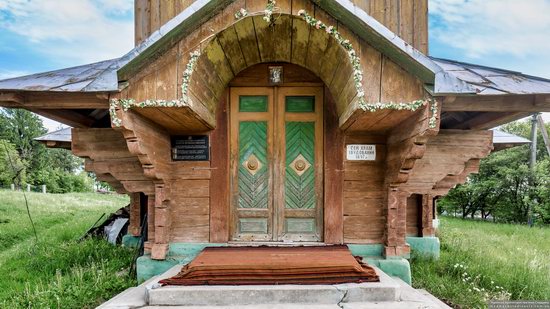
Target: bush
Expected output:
[58,181]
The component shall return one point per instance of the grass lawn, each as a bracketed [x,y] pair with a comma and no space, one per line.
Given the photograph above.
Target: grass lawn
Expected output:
[481,261]
[57,271]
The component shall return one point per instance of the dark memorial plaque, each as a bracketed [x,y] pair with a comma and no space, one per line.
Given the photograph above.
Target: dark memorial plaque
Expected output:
[190,148]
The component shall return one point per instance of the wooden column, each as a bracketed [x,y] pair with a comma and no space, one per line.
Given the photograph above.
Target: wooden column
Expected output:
[396,224]
[150,223]
[334,175]
[162,223]
[135,215]
[219,183]
[427,216]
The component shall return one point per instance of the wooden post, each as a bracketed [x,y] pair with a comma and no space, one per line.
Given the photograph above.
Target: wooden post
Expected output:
[13,187]
[162,223]
[28,188]
[150,223]
[427,216]
[396,225]
[43,188]
[134,227]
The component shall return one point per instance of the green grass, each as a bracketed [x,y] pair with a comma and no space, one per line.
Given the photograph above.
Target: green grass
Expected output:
[58,271]
[481,261]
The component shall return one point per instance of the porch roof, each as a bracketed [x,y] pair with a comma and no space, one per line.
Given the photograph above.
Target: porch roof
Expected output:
[444,77]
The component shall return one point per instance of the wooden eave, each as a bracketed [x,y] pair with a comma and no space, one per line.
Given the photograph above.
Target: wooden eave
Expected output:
[76,109]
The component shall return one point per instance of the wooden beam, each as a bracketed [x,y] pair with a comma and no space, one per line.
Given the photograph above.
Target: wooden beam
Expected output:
[505,103]
[67,101]
[68,117]
[488,120]
[11,98]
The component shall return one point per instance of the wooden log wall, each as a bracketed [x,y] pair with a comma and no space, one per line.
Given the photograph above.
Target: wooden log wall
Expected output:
[406,18]
[364,195]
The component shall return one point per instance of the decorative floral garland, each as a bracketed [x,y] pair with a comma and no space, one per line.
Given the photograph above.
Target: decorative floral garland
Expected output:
[268,12]
[411,106]
[241,13]
[358,73]
[126,104]
[354,59]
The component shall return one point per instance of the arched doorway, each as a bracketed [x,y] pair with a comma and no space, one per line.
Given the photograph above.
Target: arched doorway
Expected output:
[276,159]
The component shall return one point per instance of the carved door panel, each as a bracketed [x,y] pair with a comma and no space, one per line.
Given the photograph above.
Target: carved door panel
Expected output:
[276,164]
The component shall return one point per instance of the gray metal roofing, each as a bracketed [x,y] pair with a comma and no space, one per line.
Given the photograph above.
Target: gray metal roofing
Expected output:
[501,137]
[492,81]
[450,77]
[99,76]
[63,135]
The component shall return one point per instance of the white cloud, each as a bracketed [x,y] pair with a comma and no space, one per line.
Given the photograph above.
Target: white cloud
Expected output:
[484,27]
[73,31]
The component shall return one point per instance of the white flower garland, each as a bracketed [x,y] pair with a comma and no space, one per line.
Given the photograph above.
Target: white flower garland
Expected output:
[126,104]
[358,74]
[410,106]
[268,12]
[354,59]
[241,13]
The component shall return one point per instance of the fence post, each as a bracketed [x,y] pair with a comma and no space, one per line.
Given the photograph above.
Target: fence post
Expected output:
[28,188]
[43,188]
[13,187]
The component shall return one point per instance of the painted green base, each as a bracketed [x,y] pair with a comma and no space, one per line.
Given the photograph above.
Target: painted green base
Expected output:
[183,253]
[130,241]
[178,253]
[425,246]
[373,254]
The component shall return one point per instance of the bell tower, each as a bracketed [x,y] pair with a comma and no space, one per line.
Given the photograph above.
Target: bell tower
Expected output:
[406,18]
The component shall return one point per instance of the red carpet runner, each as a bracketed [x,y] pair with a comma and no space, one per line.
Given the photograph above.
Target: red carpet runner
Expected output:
[274,265]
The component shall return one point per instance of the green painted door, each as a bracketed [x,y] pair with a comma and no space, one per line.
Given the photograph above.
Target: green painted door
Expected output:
[276,164]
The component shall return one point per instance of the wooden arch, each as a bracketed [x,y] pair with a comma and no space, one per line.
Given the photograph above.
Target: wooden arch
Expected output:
[251,40]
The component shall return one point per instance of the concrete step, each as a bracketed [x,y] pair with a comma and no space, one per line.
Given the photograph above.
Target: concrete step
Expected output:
[262,306]
[385,290]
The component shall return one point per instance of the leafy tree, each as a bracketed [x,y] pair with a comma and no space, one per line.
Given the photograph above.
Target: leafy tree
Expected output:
[10,165]
[20,127]
[58,169]
[505,187]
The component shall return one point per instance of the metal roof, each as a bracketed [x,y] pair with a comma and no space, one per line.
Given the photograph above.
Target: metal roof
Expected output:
[501,137]
[63,135]
[448,77]
[492,81]
[94,77]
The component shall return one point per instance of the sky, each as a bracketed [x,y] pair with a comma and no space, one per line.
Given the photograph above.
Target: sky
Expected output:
[44,35]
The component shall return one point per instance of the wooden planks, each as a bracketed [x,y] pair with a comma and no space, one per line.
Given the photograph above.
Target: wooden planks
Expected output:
[364,207]
[189,209]
[219,202]
[333,169]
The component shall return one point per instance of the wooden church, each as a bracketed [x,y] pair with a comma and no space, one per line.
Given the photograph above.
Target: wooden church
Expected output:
[287,123]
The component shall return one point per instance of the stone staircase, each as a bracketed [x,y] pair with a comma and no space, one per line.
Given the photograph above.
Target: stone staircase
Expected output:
[388,293]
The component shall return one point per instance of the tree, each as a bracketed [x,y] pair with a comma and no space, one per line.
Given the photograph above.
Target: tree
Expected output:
[505,187]
[10,165]
[20,127]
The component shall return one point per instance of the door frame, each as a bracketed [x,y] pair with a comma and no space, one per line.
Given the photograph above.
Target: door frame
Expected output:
[276,136]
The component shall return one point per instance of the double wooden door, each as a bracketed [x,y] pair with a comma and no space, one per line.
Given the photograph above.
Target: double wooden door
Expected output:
[276,163]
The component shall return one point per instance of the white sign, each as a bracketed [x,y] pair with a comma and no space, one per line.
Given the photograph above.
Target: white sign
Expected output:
[361,152]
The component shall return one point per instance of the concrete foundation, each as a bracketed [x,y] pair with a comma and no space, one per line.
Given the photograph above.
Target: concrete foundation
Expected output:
[390,292]
[183,253]
[425,246]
